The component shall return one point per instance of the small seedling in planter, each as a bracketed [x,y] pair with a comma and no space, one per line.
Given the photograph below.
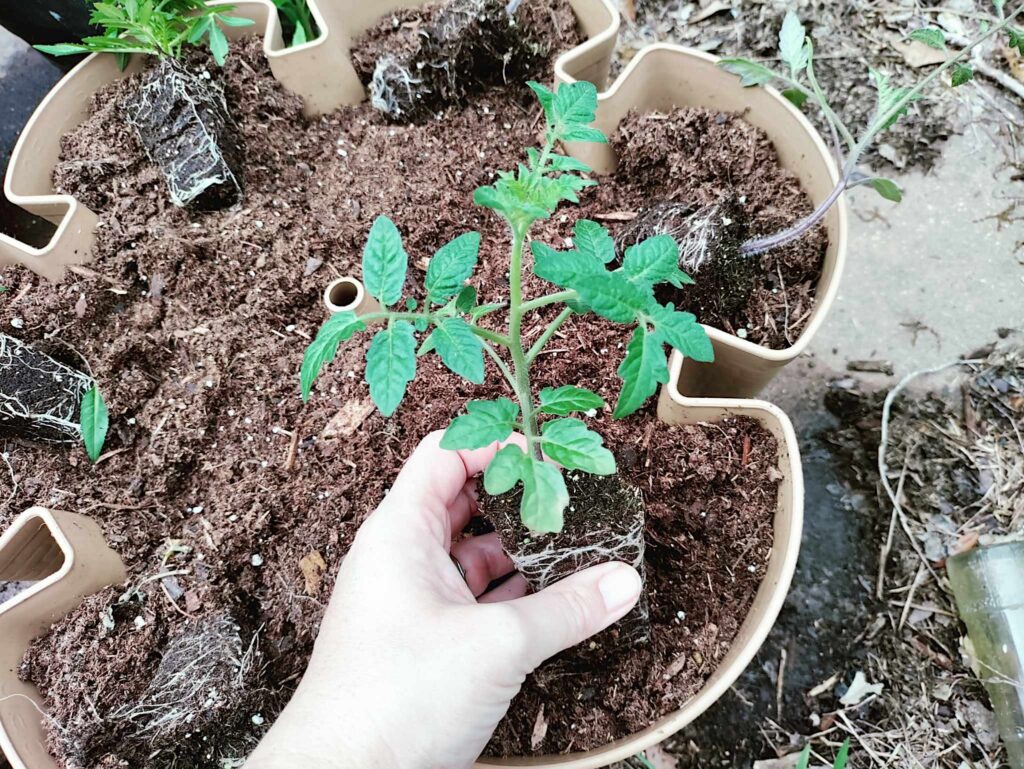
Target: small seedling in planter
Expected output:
[181,117]
[297,22]
[557,444]
[714,241]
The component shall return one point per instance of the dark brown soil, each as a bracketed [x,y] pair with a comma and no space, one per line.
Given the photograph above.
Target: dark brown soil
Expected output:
[243,500]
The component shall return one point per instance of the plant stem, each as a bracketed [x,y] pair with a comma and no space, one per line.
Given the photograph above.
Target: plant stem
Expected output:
[521,366]
[549,332]
[760,245]
[431,317]
[559,298]
[502,366]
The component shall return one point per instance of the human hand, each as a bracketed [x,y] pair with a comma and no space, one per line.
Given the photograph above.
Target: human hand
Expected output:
[414,666]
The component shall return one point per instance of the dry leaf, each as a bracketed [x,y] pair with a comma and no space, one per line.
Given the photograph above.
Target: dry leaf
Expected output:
[540,729]
[710,10]
[859,690]
[313,567]
[348,419]
[80,306]
[917,54]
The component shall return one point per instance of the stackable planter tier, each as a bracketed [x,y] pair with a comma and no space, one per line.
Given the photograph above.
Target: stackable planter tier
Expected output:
[65,558]
[346,294]
[662,77]
[320,71]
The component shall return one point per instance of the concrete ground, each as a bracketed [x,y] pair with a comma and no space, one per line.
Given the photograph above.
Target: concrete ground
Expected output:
[926,281]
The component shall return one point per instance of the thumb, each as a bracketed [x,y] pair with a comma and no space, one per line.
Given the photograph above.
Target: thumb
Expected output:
[575,608]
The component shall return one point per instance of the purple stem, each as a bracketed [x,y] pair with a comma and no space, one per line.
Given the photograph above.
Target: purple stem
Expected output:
[760,245]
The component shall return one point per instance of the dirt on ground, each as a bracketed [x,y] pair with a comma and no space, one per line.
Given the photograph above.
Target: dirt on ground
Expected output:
[232,502]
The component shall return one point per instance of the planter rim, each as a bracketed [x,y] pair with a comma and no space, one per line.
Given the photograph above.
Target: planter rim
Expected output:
[608,36]
[823,299]
[44,516]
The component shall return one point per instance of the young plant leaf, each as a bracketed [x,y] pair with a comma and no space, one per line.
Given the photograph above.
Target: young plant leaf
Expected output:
[887,188]
[889,97]
[563,268]
[797,97]
[804,758]
[94,422]
[641,371]
[544,496]
[594,241]
[466,300]
[573,110]
[218,44]
[505,470]
[337,329]
[565,400]
[63,49]
[653,261]
[793,48]
[460,349]
[682,332]
[451,267]
[391,365]
[750,73]
[570,443]
[546,97]
[611,295]
[384,262]
[1016,39]
[961,74]
[843,755]
[483,423]
[566,164]
[933,37]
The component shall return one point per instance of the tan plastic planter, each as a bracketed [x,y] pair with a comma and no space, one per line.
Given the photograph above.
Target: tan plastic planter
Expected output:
[676,409]
[320,71]
[664,76]
[65,556]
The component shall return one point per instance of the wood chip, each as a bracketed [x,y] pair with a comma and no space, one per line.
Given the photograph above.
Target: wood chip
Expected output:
[313,567]
[871,366]
[617,216]
[540,729]
[348,419]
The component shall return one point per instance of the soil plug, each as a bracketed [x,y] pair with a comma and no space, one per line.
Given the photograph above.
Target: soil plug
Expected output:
[183,122]
[606,523]
[987,583]
[40,398]
[554,440]
[470,44]
[180,116]
[800,85]
[709,240]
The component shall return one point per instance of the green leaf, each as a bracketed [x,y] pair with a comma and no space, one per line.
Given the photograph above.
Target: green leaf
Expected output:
[933,37]
[565,400]
[546,97]
[843,755]
[391,365]
[384,262]
[611,296]
[890,98]
[451,267]
[750,73]
[563,268]
[218,45]
[573,110]
[298,36]
[641,371]
[593,240]
[570,443]
[94,422]
[887,188]
[682,332]
[504,471]
[544,496]
[337,329]
[582,133]
[199,29]
[484,423]
[235,21]
[567,164]
[485,309]
[804,758]
[653,261]
[466,299]
[793,47]
[961,74]
[1016,39]
[460,349]
[63,49]
[797,97]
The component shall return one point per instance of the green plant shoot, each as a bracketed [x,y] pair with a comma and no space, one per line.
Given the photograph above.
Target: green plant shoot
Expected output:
[154,27]
[296,21]
[94,420]
[451,320]
[804,759]
[800,85]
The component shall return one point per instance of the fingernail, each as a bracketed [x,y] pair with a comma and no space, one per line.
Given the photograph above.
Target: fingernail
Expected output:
[619,588]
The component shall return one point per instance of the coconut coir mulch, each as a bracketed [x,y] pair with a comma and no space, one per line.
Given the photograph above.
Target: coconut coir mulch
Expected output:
[225,495]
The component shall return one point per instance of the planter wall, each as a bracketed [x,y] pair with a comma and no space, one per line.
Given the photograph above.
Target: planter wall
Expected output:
[663,77]
[64,555]
[674,408]
[320,71]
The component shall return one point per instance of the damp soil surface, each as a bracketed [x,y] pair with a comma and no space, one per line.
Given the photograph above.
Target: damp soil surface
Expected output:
[232,501]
